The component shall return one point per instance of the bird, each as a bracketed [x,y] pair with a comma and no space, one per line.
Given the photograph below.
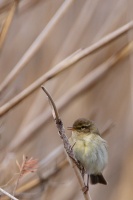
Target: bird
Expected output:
[90,149]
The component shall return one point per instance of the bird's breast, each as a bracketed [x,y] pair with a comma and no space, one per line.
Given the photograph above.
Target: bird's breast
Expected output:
[91,151]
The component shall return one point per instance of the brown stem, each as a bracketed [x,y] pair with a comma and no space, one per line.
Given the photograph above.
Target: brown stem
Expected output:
[67,146]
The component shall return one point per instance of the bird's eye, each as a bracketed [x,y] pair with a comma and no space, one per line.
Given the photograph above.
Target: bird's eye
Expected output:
[83,127]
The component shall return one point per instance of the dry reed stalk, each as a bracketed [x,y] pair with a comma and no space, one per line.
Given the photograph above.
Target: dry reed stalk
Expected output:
[7,23]
[7,194]
[66,48]
[113,19]
[47,76]
[87,82]
[72,59]
[36,44]
[64,65]
[73,39]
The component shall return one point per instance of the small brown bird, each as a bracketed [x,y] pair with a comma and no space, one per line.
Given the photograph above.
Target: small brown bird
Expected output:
[89,149]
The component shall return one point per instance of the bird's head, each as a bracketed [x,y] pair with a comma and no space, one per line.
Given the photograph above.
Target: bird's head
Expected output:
[84,126]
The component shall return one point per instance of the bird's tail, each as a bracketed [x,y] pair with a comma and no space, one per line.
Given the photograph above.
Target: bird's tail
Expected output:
[98,178]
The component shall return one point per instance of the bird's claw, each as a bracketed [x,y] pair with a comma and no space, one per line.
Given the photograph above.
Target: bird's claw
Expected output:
[85,189]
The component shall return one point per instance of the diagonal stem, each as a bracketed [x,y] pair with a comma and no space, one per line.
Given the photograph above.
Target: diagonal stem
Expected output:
[67,146]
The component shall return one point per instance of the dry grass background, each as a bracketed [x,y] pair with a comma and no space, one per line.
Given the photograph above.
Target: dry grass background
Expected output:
[28,127]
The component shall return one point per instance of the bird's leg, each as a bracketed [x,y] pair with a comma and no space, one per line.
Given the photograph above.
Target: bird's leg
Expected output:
[86,187]
[82,173]
[82,170]
[88,181]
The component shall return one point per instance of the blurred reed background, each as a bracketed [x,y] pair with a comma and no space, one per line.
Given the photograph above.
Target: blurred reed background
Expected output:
[35,37]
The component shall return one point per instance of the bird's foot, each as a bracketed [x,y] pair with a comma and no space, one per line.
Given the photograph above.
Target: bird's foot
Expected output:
[85,189]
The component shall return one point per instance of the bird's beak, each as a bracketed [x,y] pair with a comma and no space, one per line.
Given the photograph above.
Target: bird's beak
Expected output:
[70,128]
